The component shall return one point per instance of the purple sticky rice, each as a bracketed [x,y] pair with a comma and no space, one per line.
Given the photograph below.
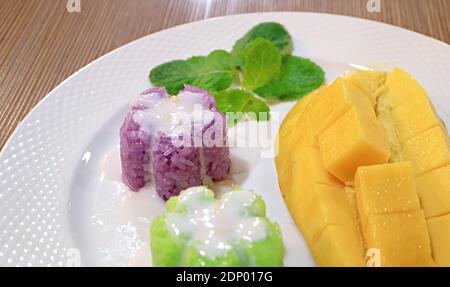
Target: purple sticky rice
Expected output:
[150,153]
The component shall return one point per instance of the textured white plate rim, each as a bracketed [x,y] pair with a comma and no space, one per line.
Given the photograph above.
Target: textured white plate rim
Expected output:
[274,14]
[203,20]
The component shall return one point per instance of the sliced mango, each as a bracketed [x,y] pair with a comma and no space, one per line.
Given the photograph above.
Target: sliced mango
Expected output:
[296,123]
[338,246]
[292,118]
[401,238]
[402,88]
[297,129]
[428,150]
[312,216]
[307,137]
[440,234]
[302,135]
[328,205]
[414,117]
[289,130]
[356,139]
[434,192]
[365,163]
[307,162]
[334,102]
[384,189]
[369,82]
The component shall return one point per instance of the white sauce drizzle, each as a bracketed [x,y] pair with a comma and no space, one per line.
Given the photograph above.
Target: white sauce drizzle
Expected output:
[146,100]
[172,116]
[120,219]
[217,224]
[114,205]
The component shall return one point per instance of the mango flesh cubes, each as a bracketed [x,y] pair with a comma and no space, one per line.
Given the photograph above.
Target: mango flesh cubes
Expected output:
[334,102]
[440,233]
[434,192]
[339,246]
[307,161]
[414,117]
[402,238]
[364,165]
[353,140]
[384,189]
[428,150]
[390,213]
[369,82]
[402,88]
[326,209]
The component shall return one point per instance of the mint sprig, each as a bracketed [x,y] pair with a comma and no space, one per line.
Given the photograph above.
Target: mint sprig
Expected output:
[214,72]
[262,59]
[298,77]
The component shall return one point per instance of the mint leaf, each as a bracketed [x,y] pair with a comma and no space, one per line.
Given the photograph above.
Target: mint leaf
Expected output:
[271,31]
[298,77]
[238,104]
[171,75]
[262,63]
[214,72]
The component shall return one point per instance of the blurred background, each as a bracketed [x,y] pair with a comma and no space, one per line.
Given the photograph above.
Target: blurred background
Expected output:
[42,42]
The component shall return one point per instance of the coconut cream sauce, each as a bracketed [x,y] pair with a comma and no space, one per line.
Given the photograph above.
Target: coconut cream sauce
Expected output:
[216,224]
[171,116]
[122,218]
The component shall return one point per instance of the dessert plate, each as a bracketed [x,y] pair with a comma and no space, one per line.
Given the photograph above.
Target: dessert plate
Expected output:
[61,199]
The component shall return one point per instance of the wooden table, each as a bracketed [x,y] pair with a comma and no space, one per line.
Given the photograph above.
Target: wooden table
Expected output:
[41,43]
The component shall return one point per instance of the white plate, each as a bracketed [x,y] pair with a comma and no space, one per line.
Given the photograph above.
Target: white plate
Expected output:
[55,205]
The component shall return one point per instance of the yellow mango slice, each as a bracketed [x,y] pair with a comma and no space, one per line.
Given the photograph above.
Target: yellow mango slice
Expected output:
[334,102]
[292,132]
[292,118]
[365,163]
[440,239]
[292,135]
[414,117]
[308,163]
[338,246]
[296,128]
[356,139]
[305,161]
[402,88]
[368,82]
[386,188]
[428,150]
[324,205]
[297,206]
[302,135]
[401,238]
[307,137]
[434,192]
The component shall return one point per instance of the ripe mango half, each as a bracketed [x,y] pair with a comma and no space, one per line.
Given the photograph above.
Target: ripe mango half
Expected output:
[364,169]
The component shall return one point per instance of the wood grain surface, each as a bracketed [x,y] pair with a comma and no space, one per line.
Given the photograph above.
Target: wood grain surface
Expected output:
[41,43]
